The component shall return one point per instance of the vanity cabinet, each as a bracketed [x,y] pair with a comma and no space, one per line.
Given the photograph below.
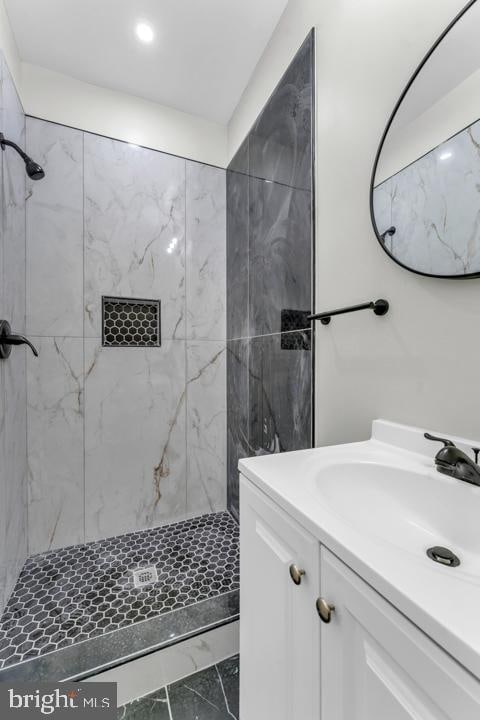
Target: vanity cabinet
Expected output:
[280,630]
[376,664]
[369,662]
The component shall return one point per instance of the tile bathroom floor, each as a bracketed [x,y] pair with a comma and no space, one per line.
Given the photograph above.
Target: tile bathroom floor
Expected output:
[85,591]
[211,694]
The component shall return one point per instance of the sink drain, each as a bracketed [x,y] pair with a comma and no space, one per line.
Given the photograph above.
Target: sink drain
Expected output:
[443,555]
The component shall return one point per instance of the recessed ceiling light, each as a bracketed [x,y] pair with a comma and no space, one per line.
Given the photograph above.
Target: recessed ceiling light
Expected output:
[446,155]
[144,32]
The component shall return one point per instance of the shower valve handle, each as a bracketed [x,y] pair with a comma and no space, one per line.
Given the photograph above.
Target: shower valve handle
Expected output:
[7,340]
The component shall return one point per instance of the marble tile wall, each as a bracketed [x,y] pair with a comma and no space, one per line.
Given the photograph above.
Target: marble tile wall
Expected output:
[269,268]
[13,393]
[433,205]
[122,439]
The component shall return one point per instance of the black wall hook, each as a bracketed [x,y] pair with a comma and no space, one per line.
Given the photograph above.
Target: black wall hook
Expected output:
[379,307]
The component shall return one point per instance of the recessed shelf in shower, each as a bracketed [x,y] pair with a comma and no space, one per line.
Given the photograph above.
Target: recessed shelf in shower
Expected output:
[130,322]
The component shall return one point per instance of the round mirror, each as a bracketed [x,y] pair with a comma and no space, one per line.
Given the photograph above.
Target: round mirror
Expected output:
[425,190]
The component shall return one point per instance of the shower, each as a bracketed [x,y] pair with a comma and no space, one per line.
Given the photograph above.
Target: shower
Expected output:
[34,170]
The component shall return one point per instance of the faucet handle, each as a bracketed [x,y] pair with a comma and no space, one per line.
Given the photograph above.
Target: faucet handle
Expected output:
[446,443]
[476,451]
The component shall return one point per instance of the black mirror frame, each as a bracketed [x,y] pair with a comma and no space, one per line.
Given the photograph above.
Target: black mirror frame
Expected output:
[382,143]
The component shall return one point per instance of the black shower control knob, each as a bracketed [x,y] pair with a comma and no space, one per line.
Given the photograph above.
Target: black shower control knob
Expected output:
[7,339]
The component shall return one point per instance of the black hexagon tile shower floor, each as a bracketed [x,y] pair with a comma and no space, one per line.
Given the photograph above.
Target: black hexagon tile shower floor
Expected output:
[77,593]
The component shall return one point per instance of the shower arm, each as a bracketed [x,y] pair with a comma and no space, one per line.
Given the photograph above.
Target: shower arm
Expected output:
[10,143]
[33,169]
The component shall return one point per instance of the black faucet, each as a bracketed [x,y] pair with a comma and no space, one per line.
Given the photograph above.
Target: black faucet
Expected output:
[452,461]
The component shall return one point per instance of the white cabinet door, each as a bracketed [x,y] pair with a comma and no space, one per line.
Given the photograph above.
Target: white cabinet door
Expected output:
[376,665]
[279,626]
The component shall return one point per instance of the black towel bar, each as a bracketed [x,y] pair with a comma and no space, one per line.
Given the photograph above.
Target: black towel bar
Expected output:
[379,307]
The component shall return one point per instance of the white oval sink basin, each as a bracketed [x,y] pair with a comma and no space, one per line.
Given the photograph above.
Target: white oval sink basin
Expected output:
[412,510]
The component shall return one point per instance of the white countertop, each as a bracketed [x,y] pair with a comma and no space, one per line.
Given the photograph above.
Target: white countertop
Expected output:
[444,602]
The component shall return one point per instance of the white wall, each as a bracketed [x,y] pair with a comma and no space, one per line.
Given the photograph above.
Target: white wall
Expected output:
[52,96]
[453,112]
[419,364]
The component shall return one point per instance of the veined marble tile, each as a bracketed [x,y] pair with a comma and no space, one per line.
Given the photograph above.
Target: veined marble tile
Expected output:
[3,491]
[206,427]
[280,261]
[237,244]
[134,230]
[206,252]
[281,139]
[238,422]
[211,694]
[14,462]
[135,464]
[55,444]
[14,191]
[280,420]
[13,469]
[55,231]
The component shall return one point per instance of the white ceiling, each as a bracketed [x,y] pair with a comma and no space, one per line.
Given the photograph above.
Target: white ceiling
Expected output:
[201,59]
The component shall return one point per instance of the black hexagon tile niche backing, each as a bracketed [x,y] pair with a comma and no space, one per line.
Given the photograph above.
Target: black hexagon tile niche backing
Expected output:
[127,322]
[81,592]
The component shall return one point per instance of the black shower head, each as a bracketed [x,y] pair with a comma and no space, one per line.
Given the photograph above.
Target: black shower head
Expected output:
[34,170]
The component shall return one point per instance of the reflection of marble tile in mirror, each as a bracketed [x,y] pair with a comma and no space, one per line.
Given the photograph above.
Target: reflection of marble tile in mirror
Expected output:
[433,205]
[427,173]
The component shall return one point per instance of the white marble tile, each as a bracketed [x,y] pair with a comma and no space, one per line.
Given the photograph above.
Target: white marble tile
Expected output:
[134,230]
[14,191]
[13,466]
[55,231]
[14,461]
[206,427]
[206,252]
[135,465]
[55,444]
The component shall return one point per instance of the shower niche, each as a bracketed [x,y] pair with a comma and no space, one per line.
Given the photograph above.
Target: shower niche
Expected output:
[129,322]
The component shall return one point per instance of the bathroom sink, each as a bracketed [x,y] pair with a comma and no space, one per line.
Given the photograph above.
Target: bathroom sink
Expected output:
[410,508]
[380,505]
[385,492]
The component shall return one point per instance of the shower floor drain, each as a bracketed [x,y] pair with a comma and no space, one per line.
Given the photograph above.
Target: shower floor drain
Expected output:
[145,576]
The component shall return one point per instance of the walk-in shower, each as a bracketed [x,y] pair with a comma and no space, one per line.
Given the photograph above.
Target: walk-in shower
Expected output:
[167,301]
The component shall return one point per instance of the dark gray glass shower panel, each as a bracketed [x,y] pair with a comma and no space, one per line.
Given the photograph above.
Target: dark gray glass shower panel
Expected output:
[280,396]
[280,254]
[238,415]
[281,139]
[269,275]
